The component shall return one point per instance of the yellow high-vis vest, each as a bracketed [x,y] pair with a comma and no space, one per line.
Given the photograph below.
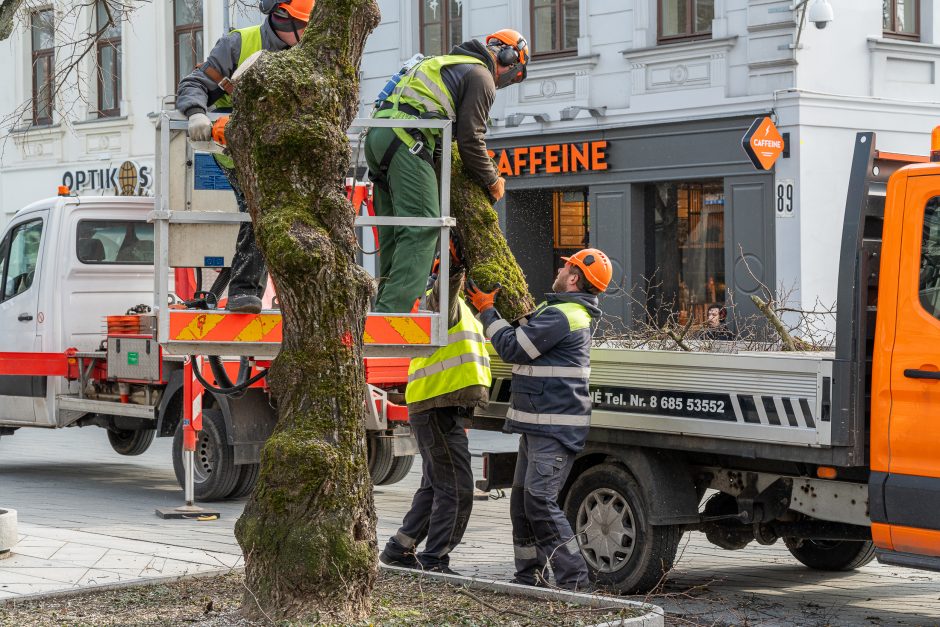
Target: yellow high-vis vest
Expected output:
[462,363]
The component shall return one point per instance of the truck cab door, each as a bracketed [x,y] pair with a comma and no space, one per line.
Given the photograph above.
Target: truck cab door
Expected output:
[20,261]
[907,520]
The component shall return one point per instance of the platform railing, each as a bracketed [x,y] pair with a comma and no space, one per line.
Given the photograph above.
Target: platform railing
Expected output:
[218,332]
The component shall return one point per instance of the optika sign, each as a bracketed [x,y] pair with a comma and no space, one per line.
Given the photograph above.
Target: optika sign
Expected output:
[129,179]
[552,159]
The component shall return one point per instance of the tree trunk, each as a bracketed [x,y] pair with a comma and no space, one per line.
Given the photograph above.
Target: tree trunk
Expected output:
[308,531]
[485,250]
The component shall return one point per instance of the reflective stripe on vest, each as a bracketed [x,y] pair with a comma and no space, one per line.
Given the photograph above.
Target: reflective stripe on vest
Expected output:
[576,313]
[561,420]
[462,363]
[571,372]
[424,89]
[251,43]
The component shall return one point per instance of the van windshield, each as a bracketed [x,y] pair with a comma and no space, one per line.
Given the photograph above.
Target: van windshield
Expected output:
[115,242]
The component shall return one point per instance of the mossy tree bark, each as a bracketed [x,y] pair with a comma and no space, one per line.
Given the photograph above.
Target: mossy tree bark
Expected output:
[486,252]
[308,531]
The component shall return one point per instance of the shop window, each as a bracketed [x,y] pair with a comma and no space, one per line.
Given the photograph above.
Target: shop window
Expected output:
[187,36]
[108,47]
[901,19]
[555,26]
[571,214]
[42,27]
[685,19]
[685,249]
[18,265]
[115,241]
[930,259]
[441,25]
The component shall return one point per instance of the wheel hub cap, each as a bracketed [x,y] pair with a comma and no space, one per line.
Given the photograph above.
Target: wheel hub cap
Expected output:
[606,530]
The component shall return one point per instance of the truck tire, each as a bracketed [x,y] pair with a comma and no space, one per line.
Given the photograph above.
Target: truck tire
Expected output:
[401,466]
[380,458]
[247,478]
[607,511]
[133,442]
[832,555]
[215,473]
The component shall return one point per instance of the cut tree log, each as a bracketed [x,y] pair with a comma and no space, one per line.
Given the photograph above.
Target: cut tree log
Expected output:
[485,250]
[308,531]
[790,343]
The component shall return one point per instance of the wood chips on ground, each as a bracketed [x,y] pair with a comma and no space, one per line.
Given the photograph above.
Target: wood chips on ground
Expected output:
[217,602]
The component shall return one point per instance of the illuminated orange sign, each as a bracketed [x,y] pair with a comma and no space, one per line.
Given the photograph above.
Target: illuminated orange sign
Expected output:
[551,159]
[763,143]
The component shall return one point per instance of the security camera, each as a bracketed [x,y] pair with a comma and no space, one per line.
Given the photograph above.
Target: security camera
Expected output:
[820,13]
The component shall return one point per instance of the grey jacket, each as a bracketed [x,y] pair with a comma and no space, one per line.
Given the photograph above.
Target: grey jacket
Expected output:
[469,397]
[551,357]
[197,92]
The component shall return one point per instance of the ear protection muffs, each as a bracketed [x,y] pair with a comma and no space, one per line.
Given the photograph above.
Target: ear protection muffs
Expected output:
[267,6]
[507,56]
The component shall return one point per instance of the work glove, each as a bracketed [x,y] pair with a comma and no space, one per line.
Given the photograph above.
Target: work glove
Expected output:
[478,298]
[200,128]
[498,189]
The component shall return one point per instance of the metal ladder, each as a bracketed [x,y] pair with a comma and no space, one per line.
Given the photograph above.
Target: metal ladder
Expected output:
[181,200]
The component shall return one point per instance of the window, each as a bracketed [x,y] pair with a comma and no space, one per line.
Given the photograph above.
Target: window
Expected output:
[555,26]
[42,27]
[930,259]
[115,241]
[108,27]
[187,34]
[19,258]
[571,219]
[685,19]
[901,19]
[686,258]
[441,25]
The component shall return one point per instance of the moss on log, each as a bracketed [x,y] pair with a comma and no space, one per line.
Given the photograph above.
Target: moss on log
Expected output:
[308,531]
[486,252]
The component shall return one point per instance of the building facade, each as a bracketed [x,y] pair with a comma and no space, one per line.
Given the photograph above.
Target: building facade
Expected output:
[626,134]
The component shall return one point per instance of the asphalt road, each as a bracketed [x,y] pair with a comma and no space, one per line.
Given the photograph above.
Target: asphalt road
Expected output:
[86,515]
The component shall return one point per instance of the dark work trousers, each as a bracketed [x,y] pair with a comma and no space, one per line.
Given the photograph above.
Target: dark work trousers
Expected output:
[249,275]
[441,507]
[540,532]
[406,253]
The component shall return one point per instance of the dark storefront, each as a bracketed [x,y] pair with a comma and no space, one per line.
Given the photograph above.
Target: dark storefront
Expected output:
[674,206]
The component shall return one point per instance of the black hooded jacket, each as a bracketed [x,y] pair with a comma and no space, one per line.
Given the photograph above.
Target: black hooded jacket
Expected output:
[473,89]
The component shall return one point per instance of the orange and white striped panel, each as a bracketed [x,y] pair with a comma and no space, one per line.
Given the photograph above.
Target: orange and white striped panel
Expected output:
[203,326]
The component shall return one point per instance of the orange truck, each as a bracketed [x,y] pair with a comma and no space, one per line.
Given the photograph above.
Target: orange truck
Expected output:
[835,453]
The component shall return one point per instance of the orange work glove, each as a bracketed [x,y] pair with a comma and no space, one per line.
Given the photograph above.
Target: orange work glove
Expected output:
[480,299]
[498,189]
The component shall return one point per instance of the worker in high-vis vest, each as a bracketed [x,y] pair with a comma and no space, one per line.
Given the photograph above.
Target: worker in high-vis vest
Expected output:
[209,85]
[461,87]
[550,407]
[443,391]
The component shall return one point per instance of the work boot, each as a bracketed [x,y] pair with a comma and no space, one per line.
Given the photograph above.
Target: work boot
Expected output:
[407,560]
[441,568]
[244,303]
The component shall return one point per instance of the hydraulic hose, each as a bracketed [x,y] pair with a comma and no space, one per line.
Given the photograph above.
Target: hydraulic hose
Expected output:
[227,389]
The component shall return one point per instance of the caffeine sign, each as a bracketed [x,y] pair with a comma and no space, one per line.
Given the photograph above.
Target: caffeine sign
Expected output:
[551,159]
[763,143]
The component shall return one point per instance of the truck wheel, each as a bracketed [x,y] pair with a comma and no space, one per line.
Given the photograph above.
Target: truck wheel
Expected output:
[380,458]
[214,471]
[401,466]
[831,554]
[607,511]
[247,478]
[132,442]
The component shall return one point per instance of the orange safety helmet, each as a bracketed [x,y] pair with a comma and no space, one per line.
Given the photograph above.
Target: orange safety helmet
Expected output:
[297,9]
[595,265]
[513,52]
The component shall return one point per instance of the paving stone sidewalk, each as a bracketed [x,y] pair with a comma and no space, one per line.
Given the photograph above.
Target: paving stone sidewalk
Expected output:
[86,518]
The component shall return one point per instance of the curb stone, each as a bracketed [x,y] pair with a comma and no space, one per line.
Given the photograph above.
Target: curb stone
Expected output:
[8,534]
[654,615]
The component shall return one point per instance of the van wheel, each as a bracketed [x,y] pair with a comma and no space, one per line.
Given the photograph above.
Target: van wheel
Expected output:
[380,457]
[401,466]
[833,555]
[247,478]
[214,471]
[132,442]
[607,510]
